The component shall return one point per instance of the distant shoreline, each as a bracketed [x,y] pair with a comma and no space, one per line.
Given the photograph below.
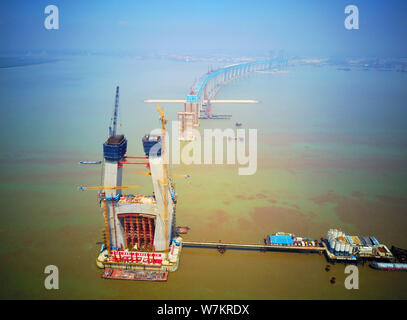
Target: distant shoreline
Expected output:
[11,65]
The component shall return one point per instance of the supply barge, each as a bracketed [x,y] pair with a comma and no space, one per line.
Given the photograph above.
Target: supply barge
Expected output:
[342,247]
[121,274]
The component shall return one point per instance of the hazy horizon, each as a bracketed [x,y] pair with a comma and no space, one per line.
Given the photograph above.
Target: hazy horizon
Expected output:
[308,28]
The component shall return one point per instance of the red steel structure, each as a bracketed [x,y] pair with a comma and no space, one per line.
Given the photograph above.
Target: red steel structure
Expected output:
[121,163]
[138,230]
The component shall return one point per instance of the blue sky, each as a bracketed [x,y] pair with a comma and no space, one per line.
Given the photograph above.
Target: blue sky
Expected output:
[306,28]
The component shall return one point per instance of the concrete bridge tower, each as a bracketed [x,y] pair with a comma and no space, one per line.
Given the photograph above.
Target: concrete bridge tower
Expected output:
[141,223]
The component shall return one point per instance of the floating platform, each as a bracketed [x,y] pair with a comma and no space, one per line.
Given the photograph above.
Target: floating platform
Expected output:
[137,275]
[333,257]
[363,248]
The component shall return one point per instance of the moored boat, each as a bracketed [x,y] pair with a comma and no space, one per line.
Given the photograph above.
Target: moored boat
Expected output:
[182,229]
[90,162]
[389,266]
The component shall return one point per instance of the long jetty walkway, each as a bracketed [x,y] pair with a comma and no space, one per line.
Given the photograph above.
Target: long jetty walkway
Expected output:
[221,246]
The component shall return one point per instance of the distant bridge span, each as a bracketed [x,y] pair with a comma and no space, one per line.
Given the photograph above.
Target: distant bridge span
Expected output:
[198,101]
[208,85]
[213,101]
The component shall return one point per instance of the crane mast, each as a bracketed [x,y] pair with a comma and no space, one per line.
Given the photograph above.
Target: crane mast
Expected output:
[112,128]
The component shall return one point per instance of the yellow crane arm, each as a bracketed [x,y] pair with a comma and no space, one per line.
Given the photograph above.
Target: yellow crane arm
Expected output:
[160,111]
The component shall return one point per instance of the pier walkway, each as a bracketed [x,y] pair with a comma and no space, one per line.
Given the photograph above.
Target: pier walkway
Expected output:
[249,246]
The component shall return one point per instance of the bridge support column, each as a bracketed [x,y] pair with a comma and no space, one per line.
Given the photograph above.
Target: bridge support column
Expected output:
[186,123]
[194,108]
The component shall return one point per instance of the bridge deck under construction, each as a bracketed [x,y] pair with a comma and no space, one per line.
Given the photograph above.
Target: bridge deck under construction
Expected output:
[250,246]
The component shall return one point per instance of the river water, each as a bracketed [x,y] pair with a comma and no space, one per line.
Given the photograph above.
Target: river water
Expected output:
[332,153]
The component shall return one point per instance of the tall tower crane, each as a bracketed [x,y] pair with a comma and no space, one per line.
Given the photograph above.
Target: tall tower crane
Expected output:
[114,150]
[113,125]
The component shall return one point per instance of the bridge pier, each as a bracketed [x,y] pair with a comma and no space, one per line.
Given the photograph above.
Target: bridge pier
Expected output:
[194,108]
[186,124]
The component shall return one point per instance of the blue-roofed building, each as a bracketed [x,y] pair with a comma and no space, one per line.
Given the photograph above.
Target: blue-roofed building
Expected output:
[281,240]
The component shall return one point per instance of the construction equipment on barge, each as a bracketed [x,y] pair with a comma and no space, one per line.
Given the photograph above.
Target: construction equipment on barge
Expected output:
[342,247]
[290,240]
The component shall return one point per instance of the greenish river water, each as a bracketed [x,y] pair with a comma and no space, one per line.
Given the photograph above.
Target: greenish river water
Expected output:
[332,153]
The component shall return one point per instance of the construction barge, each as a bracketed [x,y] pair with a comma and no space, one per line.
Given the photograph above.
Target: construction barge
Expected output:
[342,247]
[138,275]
